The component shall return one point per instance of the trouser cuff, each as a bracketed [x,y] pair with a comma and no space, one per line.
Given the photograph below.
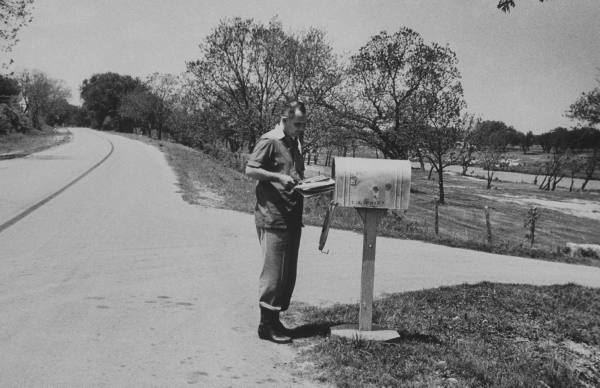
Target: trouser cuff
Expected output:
[268,306]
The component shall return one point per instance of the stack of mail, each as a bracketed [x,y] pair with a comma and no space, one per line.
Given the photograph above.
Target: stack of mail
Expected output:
[316,185]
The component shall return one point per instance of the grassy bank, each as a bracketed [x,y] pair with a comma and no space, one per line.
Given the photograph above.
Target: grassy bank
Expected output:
[479,335]
[208,181]
[32,141]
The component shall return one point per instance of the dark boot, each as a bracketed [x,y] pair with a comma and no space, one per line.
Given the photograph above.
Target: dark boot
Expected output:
[268,328]
[282,329]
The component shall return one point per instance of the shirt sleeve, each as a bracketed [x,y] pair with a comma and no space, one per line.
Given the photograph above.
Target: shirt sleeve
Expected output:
[263,150]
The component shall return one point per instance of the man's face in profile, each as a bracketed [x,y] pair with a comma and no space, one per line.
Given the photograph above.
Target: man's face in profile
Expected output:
[294,126]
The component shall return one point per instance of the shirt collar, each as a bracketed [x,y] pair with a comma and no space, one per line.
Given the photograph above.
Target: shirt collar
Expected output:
[276,133]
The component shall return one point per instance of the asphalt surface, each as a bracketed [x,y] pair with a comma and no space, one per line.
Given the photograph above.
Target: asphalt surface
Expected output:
[116,281]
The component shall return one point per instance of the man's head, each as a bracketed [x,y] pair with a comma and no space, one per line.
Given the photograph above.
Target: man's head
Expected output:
[294,119]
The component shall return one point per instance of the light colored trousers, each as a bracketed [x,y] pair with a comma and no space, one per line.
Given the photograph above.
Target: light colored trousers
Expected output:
[278,277]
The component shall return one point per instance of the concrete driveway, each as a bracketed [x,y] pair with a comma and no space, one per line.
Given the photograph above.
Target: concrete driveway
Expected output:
[117,281]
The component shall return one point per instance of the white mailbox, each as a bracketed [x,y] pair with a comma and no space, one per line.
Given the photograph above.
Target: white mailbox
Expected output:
[372,183]
[371,186]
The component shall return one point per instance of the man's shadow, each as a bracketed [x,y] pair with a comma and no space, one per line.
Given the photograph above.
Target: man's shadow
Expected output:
[317,329]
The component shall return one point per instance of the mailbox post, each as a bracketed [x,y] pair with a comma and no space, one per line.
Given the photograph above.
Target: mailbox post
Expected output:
[371,186]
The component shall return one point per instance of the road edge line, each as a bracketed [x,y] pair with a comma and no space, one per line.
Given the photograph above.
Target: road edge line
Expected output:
[41,203]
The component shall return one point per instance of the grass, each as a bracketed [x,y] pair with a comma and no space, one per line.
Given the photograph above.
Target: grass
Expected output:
[32,141]
[208,181]
[483,335]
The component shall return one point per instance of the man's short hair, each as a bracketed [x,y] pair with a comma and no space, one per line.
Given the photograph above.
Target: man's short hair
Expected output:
[290,109]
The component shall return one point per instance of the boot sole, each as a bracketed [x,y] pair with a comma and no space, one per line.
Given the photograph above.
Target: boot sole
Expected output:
[267,337]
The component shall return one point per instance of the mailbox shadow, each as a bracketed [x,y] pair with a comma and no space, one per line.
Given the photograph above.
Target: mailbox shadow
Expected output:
[319,329]
[406,336]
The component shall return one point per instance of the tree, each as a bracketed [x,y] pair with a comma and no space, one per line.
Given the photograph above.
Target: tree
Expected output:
[136,107]
[102,95]
[491,138]
[311,73]
[527,141]
[496,134]
[236,76]
[590,164]
[467,146]
[151,105]
[490,156]
[43,96]
[14,15]
[248,71]
[164,89]
[587,107]
[444,129]
[391,88]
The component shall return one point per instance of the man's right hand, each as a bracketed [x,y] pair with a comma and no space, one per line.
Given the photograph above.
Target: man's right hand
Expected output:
[287,181]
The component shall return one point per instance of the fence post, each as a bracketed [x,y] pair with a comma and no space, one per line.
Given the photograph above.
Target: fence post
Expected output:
[488,225]
[437,216]
[532,216]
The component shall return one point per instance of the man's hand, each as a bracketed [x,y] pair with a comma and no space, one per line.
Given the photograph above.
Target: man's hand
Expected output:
[287,181]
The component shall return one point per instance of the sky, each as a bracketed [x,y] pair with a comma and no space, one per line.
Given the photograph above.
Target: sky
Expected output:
[524,68]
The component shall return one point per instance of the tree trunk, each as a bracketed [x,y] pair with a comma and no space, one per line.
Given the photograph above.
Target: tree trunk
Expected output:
[585,182]
[572,181]
[441,184]
[421,161]
[490,177]
[430,172]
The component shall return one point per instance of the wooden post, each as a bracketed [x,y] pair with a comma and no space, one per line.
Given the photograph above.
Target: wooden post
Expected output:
[488,225]
[370,218]
[437,216]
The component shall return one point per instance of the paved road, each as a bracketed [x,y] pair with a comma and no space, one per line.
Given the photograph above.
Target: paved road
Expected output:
[118,282]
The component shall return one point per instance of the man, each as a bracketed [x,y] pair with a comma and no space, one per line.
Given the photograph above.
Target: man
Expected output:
[277,164]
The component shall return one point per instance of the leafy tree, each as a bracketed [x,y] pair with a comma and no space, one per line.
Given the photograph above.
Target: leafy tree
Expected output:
[391,90]
[14,15]
[491,139]
[248,70]
[102,95]
[496,134]
[237,75]
[136,108]
[527,141]
[587,107]
[151,105]
[43,96]
[311,73]
[445,129]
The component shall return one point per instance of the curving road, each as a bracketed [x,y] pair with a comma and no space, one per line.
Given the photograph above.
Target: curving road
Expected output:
[116,281]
